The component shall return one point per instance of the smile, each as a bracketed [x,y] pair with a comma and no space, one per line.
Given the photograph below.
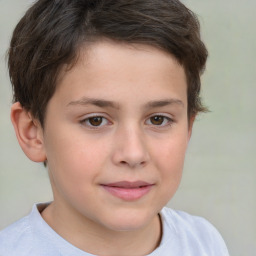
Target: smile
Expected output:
[128,191]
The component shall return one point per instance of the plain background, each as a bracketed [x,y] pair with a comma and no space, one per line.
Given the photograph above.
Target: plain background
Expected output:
[219,181]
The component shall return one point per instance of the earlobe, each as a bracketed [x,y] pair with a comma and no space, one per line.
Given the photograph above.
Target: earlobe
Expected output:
[29,133]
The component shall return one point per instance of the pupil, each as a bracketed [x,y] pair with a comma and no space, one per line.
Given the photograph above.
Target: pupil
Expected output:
[157,120]
[95,121]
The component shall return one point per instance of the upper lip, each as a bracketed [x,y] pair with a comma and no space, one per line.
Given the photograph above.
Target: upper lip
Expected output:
[128,184]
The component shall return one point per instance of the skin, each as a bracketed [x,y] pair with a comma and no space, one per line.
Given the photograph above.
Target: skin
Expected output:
[138,94]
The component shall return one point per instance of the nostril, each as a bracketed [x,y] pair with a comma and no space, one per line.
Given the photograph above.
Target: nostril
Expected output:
[133,164]
[143,163]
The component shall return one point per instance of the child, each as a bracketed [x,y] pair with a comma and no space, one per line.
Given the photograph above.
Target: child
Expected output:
[105,95]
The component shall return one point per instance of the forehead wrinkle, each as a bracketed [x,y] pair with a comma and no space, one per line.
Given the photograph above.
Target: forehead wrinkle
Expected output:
[93,101]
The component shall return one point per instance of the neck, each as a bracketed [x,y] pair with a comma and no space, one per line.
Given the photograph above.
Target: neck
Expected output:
[96,239]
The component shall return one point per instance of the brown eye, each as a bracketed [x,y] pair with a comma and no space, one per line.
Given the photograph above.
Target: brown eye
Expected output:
[157,120]
[95,121]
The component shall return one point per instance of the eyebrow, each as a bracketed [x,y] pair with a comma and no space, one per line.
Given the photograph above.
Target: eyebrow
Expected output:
[96,102]
[164,102]
[106,103]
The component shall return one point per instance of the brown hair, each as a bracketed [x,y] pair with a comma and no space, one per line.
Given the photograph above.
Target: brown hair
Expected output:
[51,33]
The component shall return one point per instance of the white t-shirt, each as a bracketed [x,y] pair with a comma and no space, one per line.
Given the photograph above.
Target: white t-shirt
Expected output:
[183,235]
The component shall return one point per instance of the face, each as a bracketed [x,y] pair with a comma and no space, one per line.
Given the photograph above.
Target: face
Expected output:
[115,135]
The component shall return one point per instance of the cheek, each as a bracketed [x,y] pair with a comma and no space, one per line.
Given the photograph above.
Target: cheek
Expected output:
[73,167]
[170,158]
[76,165]
[169,161]
[79,160]
[73,160]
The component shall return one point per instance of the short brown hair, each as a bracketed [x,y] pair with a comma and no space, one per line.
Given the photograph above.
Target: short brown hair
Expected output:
[51,33]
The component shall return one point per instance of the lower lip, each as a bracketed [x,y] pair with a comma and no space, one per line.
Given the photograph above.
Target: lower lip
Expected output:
[128,194]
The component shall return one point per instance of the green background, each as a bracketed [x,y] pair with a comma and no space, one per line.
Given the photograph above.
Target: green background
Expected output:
[219,181]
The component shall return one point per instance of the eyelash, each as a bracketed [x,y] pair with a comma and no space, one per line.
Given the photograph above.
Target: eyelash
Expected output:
[87,122]
[166,121]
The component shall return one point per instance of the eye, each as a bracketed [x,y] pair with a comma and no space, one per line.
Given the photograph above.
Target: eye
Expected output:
[95,121]
[159,120]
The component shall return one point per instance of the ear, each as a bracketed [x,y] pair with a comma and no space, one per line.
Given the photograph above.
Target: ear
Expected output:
[29,133]
[190,125]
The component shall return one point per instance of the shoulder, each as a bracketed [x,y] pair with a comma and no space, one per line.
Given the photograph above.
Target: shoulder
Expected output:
[15,236]
[33,236]
[23,237]
[192,233]
[185,221]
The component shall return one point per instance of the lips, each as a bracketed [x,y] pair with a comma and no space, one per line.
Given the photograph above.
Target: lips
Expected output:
[128,191]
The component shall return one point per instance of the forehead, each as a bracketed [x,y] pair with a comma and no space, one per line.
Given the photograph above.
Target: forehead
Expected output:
[106,66]
[107,50]
[126,55]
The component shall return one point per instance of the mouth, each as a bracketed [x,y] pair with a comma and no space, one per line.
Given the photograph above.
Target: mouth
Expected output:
[128,191]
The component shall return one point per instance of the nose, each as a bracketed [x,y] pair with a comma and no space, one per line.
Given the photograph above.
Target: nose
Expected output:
[130,148]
